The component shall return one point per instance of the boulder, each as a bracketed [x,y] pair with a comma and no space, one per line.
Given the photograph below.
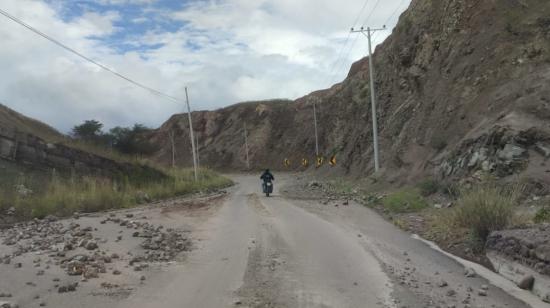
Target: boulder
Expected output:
[511,152]
[469,272]
[527,282]
[90,273]
[91,245]
[543,252]
[543,149]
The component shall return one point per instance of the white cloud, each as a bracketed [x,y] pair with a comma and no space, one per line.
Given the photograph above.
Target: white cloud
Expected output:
[228,51]
[120,2]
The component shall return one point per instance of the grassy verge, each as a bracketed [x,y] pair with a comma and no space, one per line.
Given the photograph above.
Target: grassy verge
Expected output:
[405,201]
[64,196]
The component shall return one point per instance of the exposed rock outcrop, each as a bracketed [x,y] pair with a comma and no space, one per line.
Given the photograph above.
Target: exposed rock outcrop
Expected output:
[462,86]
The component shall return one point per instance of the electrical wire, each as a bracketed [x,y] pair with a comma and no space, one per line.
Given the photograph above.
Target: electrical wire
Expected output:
[371,12]
[58,43]
[355,40]
[395,11]
[341,51]
[389,18]
[376,33]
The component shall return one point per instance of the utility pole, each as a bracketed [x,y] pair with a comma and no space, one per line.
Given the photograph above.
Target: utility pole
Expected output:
[246,147]
[171,134]
[316,135]
[368,33]
[198,153]
[191,136]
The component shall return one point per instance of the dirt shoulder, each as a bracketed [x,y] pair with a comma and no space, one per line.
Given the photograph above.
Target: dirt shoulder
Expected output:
[97,259]
[428,217]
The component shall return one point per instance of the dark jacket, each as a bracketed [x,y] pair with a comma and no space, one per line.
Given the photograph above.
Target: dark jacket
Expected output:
[267,177]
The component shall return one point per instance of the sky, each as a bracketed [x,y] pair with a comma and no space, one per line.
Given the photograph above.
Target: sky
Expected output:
[224,51]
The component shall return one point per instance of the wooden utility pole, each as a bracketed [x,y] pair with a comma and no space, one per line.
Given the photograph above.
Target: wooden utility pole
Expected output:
[246,147]
[316,135]
[198,153]
[171,134]
[195,167]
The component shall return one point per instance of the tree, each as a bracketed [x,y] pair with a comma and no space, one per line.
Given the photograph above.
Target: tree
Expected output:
[90,130]
[132,140]
[126,140]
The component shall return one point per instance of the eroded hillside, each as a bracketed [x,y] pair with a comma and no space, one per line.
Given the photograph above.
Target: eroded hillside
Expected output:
[462,86]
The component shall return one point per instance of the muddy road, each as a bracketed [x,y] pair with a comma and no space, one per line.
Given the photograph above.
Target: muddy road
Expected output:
[238,249]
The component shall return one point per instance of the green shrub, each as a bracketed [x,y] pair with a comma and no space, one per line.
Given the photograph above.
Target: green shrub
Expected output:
[428,187]
[405,201]
[542,215]
[485,209]
[450,189]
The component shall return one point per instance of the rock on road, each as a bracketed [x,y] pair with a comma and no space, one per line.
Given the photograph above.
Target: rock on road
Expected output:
[253,251]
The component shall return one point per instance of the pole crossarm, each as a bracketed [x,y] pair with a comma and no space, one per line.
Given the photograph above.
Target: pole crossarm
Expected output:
[363,30]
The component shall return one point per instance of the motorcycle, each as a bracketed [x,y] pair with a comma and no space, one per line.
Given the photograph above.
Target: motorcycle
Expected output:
[267,188]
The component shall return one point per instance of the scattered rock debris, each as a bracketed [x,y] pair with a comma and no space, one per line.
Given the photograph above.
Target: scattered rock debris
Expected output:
[75,247]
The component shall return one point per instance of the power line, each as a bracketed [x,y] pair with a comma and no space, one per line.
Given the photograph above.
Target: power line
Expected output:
[340,53]
[58,43]
[360,12]
[375,34]
[389,18]
[343,62]
[355,40]
[372,11]
[395,11]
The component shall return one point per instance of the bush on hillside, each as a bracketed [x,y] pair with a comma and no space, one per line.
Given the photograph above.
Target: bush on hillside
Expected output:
[428,187]
[486,209]
[542,215]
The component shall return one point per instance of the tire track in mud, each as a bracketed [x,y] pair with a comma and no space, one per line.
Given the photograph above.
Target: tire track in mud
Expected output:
[267,281]
[256,204]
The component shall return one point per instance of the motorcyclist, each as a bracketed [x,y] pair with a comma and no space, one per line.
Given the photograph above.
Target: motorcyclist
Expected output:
[267,177]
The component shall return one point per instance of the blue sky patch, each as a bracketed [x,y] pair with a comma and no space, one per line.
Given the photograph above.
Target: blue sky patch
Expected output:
[135,21]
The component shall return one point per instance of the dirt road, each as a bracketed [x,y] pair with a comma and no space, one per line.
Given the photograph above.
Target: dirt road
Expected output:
[253,251]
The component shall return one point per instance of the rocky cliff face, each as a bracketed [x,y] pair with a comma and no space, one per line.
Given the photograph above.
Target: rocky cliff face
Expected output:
[462,86]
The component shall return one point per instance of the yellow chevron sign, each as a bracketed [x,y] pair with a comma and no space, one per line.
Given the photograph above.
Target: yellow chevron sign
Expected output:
[305,162]
[320,161]
[286,162]
[332,160]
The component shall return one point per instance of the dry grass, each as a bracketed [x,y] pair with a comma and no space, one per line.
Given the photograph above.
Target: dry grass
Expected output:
[102,151]
[486,209]
[63,197]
